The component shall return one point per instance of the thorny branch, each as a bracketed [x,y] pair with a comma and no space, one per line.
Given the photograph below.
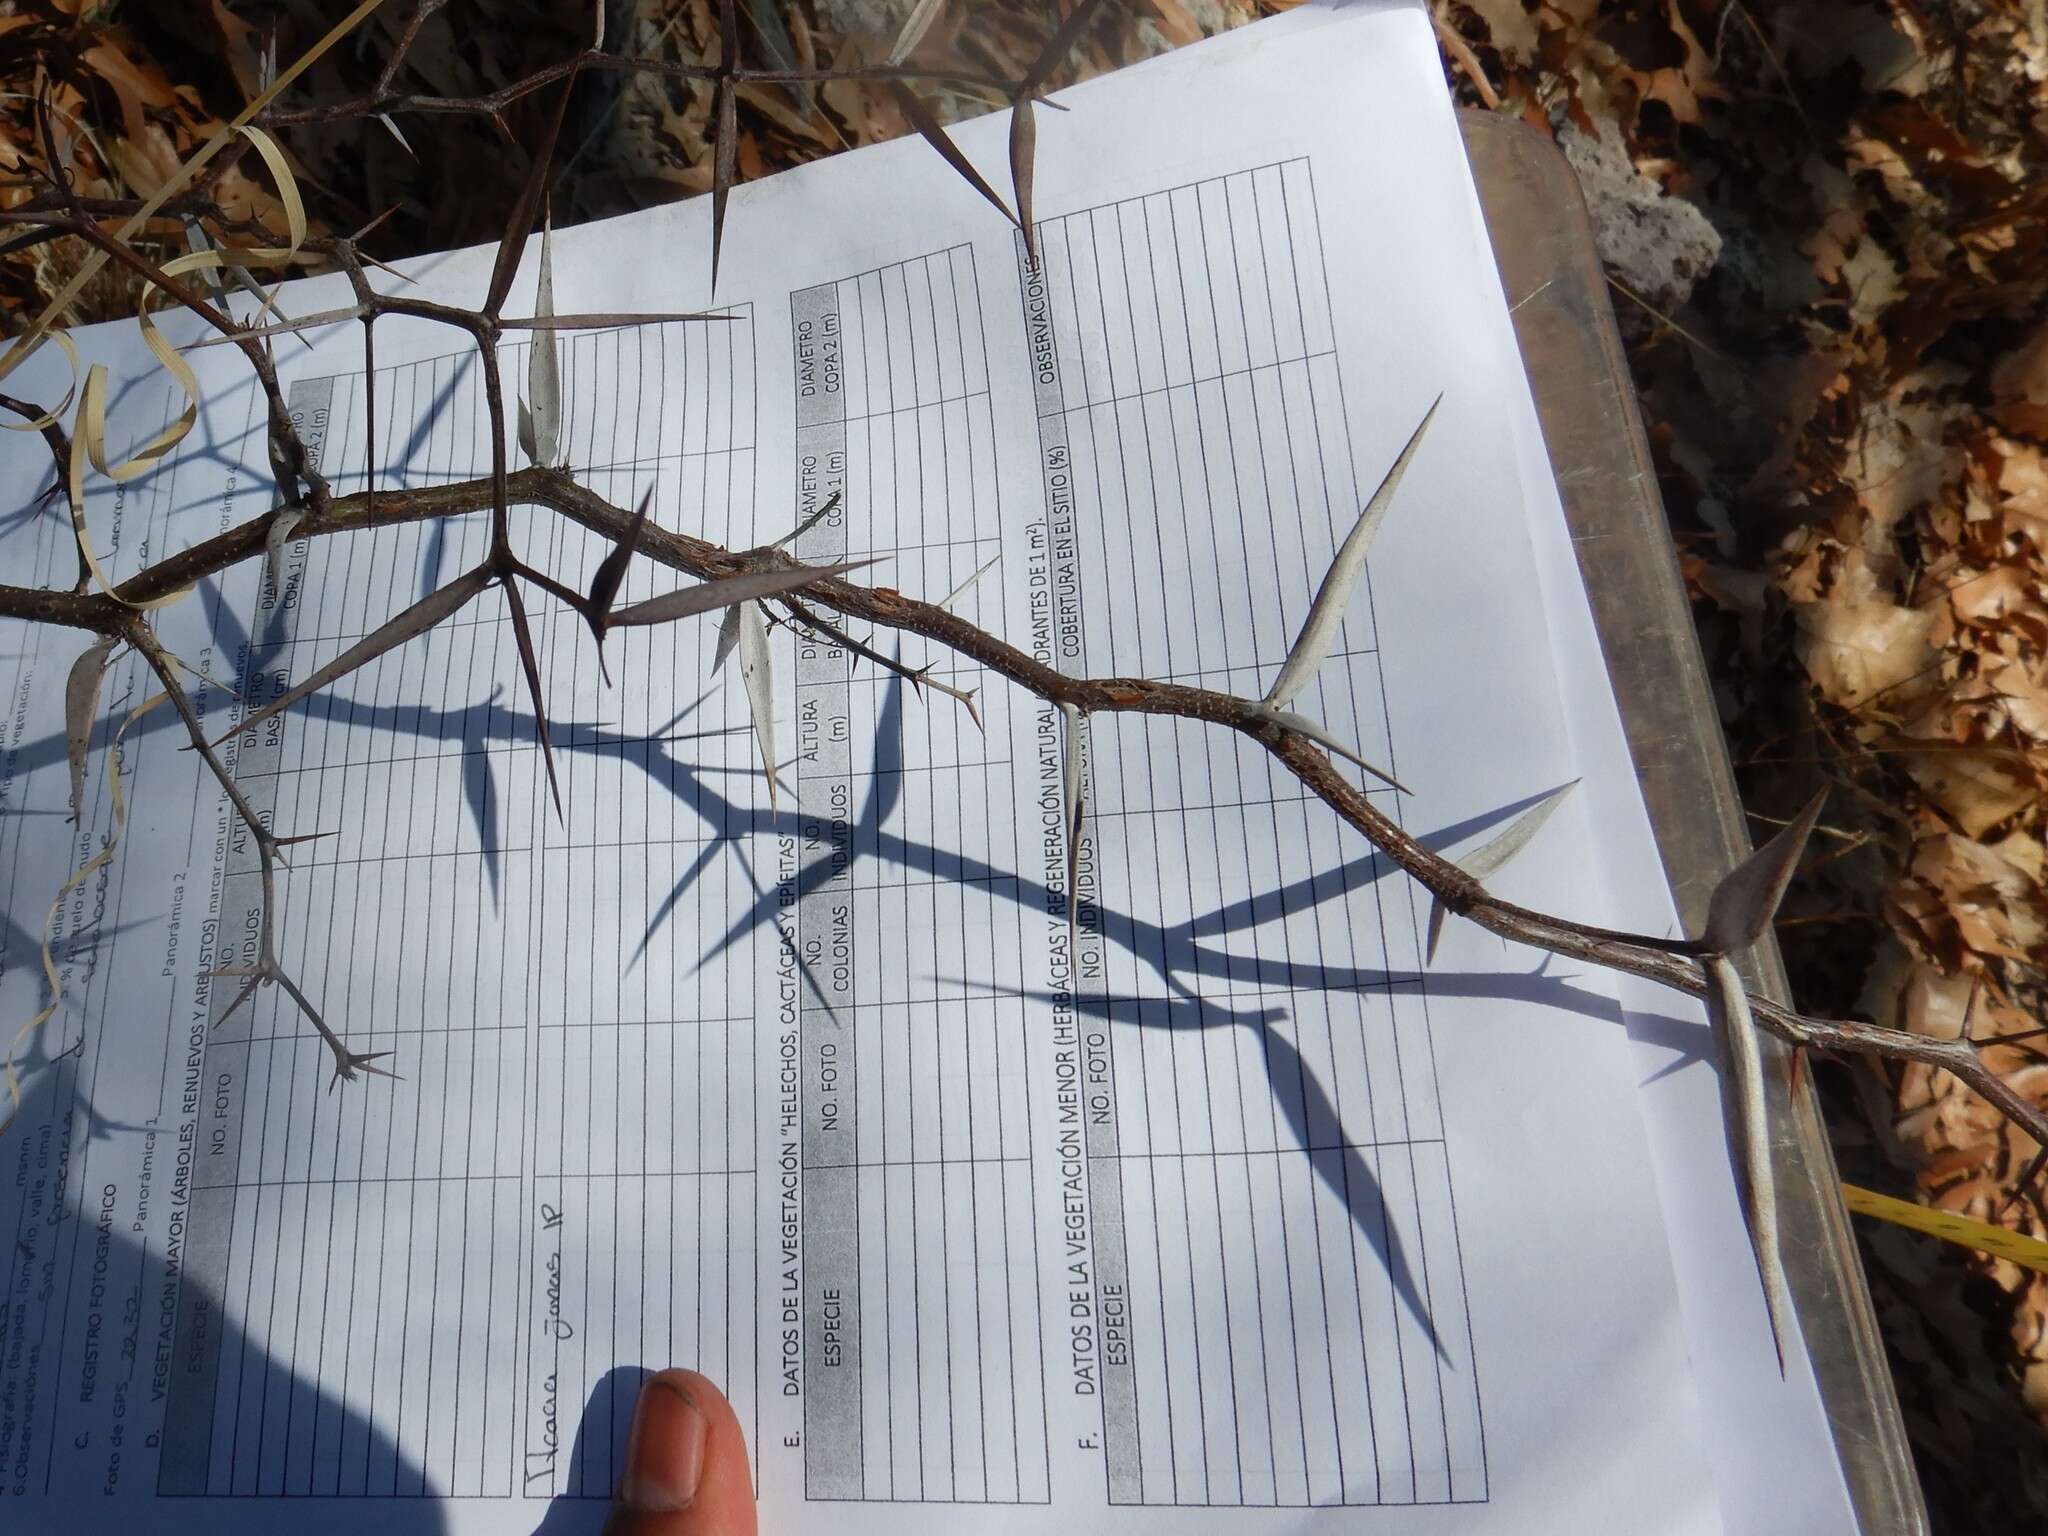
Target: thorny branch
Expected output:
[1671,963]
[767,581]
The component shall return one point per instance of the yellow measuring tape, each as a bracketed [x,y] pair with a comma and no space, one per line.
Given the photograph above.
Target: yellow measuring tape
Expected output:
[1961,1230]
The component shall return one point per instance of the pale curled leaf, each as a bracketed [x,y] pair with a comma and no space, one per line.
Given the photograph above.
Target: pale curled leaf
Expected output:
[750,586]
[1319,630]
[81,707]
[1744,903]
[56,412]
[759,677]
[414,621]
[88,442]
[60,303]
[543,364]
[92,426]
[1491,857]
[1745,1118]
[287,184]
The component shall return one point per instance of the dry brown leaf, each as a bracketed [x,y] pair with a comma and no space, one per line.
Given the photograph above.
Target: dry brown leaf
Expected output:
[2022,481]
[1995,906]
[1862,653]
[2024,852]
[1897,461]
[2025,698]
[1976,789]
[1935,1005]
[1987,598]
[134,88]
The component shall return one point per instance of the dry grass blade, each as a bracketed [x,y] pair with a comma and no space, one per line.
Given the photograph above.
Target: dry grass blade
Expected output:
[413,622]
[1749,1147]
[543,365]
[81,707]
[766,17]
[1492,857]
[1319,629]
[1062,43]
[752,586]
[915,26]
[919,116]
[1744,903]
[60,304]
[513,243]
[758,674]
[1023,149]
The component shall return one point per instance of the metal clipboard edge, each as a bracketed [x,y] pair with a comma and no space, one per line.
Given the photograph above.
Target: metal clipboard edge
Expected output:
[1564,324]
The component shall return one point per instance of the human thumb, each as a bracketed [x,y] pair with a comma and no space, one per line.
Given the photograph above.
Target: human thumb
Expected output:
[686,1464]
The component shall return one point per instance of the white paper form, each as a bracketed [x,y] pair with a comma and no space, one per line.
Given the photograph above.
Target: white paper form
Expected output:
[1240,1213]
[1777,1462]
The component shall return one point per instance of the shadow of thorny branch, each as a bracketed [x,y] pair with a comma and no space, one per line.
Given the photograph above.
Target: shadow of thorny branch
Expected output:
[231,243]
